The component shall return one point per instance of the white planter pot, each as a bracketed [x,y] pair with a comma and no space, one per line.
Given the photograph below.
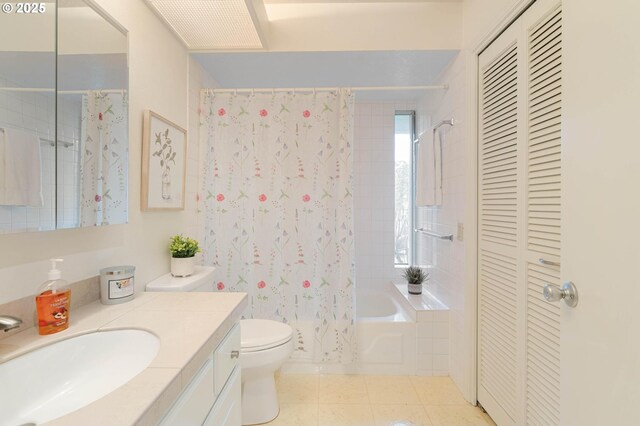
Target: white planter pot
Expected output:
[414,288]
[182,266]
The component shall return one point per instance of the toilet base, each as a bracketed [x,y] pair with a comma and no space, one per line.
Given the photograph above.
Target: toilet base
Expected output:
[259,399]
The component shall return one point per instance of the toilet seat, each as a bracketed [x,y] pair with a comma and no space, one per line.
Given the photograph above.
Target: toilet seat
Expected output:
[259,335]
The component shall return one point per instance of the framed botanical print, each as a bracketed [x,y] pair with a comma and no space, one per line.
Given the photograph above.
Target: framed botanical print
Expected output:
[164,163]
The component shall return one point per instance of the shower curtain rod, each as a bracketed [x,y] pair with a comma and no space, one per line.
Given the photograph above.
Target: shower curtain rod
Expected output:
[330,89]
[63,92]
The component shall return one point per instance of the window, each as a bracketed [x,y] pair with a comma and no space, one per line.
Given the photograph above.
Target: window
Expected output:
[404,180]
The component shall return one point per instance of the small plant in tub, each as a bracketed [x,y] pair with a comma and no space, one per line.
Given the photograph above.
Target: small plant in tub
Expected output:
[415,276]
[183,250]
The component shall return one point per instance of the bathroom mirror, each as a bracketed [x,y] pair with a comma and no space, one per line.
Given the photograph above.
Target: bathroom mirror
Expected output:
[92,117]
[63,117]
[27,118]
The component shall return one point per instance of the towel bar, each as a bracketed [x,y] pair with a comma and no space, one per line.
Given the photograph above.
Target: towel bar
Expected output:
[433,234]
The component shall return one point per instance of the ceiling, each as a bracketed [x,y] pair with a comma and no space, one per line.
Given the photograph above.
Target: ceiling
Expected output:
[328,69]
[206,25]
[359,1]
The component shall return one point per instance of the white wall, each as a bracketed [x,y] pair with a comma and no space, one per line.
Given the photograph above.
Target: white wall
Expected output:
[81,30]
[481,17]
[600,211]
[158,81]
[340,26]
[198,79]
[454,264]
[16,30]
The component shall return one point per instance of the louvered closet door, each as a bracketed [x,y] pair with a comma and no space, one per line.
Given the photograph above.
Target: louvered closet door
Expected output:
[543,26]
[519,219]
[500,153]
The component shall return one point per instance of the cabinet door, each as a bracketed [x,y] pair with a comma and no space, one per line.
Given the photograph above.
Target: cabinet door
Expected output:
[226,357]
[194,403]
[228,408]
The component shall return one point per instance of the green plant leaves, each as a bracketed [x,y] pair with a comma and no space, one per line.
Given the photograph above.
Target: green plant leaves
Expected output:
[181,247]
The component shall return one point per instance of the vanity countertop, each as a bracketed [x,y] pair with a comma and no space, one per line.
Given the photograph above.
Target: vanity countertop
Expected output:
[189,326]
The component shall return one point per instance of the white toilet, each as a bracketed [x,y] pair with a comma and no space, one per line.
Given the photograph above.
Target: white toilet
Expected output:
[266,345]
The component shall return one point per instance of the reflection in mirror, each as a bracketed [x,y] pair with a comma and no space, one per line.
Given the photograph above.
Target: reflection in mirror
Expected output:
[27,120]
[92,117]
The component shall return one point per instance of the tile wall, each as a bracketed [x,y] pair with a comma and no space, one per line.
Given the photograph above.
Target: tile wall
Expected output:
[69,124]
[447,259]
[432,335]
[374,192]
[432,331]
[35,112]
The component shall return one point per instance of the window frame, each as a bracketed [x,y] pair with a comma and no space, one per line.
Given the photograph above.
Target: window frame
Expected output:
[412,199]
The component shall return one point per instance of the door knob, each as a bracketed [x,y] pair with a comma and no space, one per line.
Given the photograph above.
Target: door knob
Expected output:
[235,354]
[568,292]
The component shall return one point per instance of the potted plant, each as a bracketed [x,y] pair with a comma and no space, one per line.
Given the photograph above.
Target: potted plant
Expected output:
[415,277]
[183,250]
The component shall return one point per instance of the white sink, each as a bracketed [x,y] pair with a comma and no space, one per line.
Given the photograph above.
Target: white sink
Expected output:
[60,378]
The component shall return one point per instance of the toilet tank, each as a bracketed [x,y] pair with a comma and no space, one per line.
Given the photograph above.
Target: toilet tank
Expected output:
[201,280]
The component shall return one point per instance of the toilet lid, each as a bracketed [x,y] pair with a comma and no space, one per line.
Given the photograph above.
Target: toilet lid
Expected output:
[259,334]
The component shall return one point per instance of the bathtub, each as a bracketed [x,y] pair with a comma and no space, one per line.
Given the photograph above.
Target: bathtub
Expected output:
[382,306]
[386,334]
[386,338]
[397,333]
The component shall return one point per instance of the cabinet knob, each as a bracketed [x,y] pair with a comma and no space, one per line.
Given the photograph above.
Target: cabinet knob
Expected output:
[235,354]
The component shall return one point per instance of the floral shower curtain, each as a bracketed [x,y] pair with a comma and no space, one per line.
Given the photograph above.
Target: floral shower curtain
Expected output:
[103,159]
[278,206]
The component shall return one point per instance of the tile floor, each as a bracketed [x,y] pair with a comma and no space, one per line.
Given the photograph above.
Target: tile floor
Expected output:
[333,400]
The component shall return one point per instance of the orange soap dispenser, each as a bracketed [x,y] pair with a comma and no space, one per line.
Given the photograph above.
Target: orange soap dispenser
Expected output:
[52,302]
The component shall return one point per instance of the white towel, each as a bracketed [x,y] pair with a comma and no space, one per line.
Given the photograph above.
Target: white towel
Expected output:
[429,170]
[20,167]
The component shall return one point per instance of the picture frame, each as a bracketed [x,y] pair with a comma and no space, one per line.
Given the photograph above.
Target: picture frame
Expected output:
[164,164]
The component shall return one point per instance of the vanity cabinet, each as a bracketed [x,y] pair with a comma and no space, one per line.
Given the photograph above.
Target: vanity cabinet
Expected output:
[213,397]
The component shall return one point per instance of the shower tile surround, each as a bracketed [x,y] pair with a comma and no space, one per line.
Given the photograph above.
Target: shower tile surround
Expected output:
[374,196]
[28,111]
[374,192]
[432,331]
[446,258]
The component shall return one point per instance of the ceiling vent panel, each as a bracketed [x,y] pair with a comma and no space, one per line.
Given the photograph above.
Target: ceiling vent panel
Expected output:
[211,24]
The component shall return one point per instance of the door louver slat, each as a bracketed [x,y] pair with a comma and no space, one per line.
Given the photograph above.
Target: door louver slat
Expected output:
[498,147]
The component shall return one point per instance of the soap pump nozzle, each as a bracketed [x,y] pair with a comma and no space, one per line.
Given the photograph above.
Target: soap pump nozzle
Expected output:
[54,272]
